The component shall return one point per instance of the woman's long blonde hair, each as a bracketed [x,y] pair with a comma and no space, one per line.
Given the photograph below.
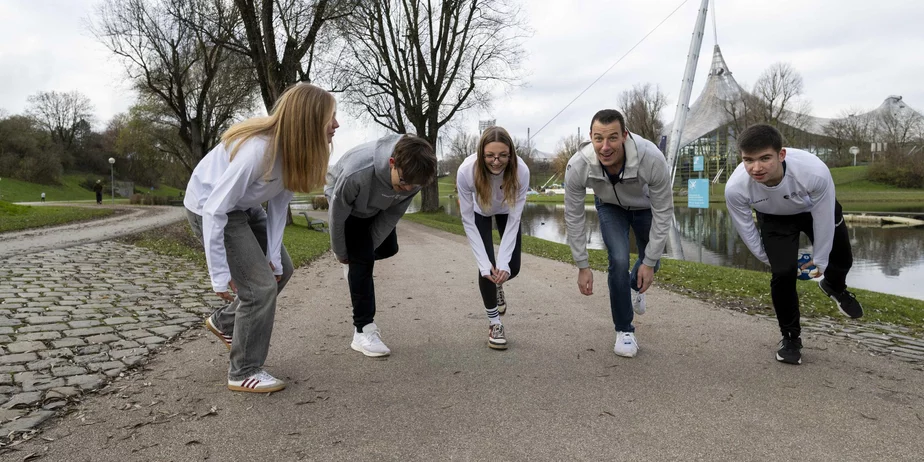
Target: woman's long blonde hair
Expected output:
[297,127]
[511,183]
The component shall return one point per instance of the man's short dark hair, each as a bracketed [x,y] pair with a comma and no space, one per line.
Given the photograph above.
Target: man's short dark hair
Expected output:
[415,158]
[608,116]
[759,137]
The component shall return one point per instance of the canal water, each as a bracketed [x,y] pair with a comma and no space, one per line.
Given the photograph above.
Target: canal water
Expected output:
[886,259]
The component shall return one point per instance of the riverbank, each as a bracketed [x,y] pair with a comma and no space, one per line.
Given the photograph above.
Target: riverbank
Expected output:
[738,289]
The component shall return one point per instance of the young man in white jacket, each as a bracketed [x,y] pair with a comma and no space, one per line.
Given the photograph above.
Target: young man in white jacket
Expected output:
[632,189]
[792,192]
[368,190]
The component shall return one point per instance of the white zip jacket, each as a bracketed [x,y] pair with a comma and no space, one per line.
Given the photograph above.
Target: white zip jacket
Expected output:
[646,183]
[807,186]
[468,206]
[219,186]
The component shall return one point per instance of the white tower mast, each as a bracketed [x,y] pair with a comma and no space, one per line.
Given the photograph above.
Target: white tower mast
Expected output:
[686,88]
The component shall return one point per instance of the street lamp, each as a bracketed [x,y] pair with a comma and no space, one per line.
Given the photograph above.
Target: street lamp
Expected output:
[112,178]
[854,150]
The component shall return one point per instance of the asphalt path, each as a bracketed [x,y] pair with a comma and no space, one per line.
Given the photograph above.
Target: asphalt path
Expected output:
[127,220]
[705,385]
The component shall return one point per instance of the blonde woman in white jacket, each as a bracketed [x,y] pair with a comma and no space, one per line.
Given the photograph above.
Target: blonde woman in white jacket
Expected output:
[263,159]
[492,183]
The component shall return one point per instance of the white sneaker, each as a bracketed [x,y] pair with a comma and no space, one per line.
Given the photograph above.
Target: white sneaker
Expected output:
[626,345]
[501,300]
[369,342]
[346,273]
[638,302]
[258,382]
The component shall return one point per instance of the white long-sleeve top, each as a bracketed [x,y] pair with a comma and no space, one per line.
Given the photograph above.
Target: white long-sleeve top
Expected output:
[807,186]
[219,186]
[468,205]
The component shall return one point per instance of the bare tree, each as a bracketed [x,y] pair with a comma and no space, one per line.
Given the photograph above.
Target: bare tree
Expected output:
[462,145]
[777,87]
[413,65]
[201,88]
[898,128]
[60,114]
[281,39]
[642,107]
[852,127]
[566,148]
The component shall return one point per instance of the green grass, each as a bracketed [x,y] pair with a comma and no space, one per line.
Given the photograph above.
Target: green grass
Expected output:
[15,217]
[303,244]
[164,191]
[743,290]
[12,190]
[22,191]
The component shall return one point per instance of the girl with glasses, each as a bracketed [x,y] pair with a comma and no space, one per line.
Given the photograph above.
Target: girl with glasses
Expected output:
[493,183]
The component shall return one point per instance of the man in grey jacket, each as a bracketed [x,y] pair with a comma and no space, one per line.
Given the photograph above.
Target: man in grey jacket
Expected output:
[632,189]
[368,190]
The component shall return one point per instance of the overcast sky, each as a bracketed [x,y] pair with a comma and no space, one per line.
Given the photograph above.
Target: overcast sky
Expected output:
[851,54]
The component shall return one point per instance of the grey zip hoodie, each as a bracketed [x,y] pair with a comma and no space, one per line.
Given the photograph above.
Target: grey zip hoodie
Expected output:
[645,184]
[359,184]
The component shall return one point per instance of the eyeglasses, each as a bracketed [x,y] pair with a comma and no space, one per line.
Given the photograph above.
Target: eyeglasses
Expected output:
[492,158]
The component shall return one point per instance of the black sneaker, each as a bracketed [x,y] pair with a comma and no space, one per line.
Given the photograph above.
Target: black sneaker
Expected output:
[845,301]
[790,351]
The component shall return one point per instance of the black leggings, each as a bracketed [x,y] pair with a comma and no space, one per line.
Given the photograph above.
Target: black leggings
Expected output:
[488,288]
[358,236]
[780,235]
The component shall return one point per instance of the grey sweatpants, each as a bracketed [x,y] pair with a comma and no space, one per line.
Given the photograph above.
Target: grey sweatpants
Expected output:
[249,318]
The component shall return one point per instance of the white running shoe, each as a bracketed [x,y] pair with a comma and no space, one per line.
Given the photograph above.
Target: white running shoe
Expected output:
[369,342]
[497,339]
[638,302]
[259,382]
[626,345]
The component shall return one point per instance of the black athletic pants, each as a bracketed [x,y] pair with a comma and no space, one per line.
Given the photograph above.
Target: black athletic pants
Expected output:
[362,255]
[780,236]
[488,288]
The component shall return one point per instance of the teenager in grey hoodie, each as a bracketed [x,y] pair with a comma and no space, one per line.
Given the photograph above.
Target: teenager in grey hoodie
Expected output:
[632,189]
[368,190]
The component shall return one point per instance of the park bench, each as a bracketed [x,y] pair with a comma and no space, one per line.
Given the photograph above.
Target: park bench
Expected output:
[314,223]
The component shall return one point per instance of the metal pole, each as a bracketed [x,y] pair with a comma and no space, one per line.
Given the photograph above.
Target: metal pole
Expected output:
[112,182]
[686,89]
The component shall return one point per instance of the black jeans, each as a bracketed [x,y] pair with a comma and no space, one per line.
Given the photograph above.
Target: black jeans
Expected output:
[780,236]
[488,288]
[362,256]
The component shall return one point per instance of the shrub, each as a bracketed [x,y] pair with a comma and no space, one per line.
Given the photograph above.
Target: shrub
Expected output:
[319,203]
[147,199]
[899,169]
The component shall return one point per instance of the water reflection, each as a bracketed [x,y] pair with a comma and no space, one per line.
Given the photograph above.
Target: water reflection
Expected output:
[889,260]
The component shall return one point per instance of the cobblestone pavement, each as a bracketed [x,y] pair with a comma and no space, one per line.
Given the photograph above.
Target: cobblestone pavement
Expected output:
[71,319]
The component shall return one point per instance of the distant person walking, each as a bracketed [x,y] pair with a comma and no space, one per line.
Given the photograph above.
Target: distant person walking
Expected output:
[493,183]
[792,192]
[263,159]
[98,189]
[43,196]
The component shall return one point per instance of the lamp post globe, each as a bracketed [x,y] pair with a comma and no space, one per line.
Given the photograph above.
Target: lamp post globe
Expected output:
[112,178]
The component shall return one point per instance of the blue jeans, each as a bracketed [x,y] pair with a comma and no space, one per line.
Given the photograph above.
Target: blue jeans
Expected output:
[615,222]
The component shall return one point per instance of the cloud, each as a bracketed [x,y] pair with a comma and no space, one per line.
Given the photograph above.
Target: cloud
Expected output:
[849,54]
